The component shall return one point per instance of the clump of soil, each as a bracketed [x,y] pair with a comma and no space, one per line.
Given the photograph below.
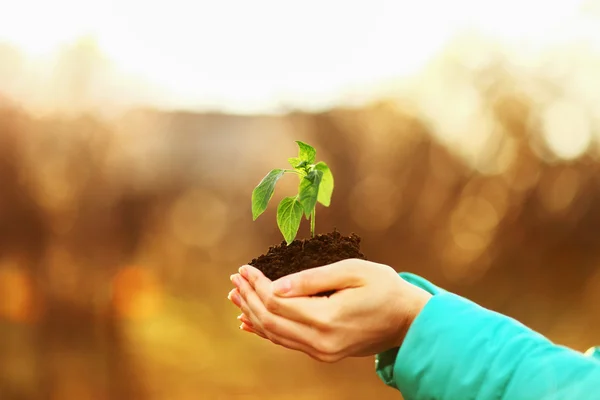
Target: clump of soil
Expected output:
[282,260]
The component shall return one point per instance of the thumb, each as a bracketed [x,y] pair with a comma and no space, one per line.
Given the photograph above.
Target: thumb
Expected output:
[332,277]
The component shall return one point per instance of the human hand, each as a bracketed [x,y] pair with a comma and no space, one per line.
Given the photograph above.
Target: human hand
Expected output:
[370,312]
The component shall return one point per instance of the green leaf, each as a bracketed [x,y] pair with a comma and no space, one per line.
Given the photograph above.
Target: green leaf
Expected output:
[326,188]
[309,191]
[306,152]
[298,164]
[294,161]
[289,216]
[263,192]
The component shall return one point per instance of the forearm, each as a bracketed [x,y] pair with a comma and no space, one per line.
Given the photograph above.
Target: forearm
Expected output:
[458,350]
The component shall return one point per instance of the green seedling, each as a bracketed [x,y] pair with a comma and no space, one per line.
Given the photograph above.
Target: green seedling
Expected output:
[316,185]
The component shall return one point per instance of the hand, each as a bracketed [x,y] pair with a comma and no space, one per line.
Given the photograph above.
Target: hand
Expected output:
[370,311]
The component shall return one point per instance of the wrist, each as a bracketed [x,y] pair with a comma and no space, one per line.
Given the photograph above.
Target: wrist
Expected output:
[414,300]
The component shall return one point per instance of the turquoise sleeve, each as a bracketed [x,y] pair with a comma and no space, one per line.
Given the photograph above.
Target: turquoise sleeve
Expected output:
[457,350]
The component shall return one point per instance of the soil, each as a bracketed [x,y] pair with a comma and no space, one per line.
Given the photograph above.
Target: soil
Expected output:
[282,260]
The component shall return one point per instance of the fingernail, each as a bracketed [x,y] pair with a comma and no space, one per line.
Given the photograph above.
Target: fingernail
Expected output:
[230,293]
[245,320]
[282,286]
[243,272]
[235,279]
[245,327]
[235,298]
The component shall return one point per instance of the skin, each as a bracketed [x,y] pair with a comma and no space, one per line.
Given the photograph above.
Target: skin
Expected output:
[370,312]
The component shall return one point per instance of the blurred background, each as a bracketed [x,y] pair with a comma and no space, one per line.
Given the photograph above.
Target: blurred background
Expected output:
[463,137]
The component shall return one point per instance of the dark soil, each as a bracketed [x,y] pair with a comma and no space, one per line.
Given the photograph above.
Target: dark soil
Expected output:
[282,260]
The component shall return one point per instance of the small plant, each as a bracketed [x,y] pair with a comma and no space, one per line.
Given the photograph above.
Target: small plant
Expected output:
[316,185]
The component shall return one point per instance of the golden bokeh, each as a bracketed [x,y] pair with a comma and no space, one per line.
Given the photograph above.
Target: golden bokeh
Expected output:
[468,156]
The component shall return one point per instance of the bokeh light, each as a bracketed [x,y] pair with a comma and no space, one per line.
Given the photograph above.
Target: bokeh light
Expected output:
[17,295]
[135,293]
[463,137]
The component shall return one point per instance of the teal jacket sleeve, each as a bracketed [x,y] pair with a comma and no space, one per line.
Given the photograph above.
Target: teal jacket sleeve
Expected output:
[457,350]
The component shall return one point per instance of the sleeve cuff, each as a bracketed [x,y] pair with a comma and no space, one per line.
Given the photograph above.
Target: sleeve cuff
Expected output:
[423,347]
[384,362]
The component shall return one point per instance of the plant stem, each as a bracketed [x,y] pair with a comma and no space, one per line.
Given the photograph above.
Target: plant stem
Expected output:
[312,222]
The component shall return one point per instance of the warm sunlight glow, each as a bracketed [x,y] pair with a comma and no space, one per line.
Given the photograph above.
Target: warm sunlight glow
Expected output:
[263,55]
[568,130]
[136,293]
[16,295]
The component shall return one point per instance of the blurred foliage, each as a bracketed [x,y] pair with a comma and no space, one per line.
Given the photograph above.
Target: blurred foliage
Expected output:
[117,238]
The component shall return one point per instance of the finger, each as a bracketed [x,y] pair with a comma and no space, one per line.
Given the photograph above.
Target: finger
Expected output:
[246,322]
[277,338]
[317,352]
[307,310]
[251,273]
[234,297]
[271,324]
[283,342]
[231,293]
[336,276]
[247,315]
[249,320]
[244,319]
[250,329]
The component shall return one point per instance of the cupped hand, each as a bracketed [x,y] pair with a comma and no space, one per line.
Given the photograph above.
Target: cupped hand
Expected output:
[370,311]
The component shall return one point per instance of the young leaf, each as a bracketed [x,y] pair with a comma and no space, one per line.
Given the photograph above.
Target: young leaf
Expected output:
[263,192]
[326,188]
[294,161]
[289,215]
[298,164]
[306,152]
[309,191]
